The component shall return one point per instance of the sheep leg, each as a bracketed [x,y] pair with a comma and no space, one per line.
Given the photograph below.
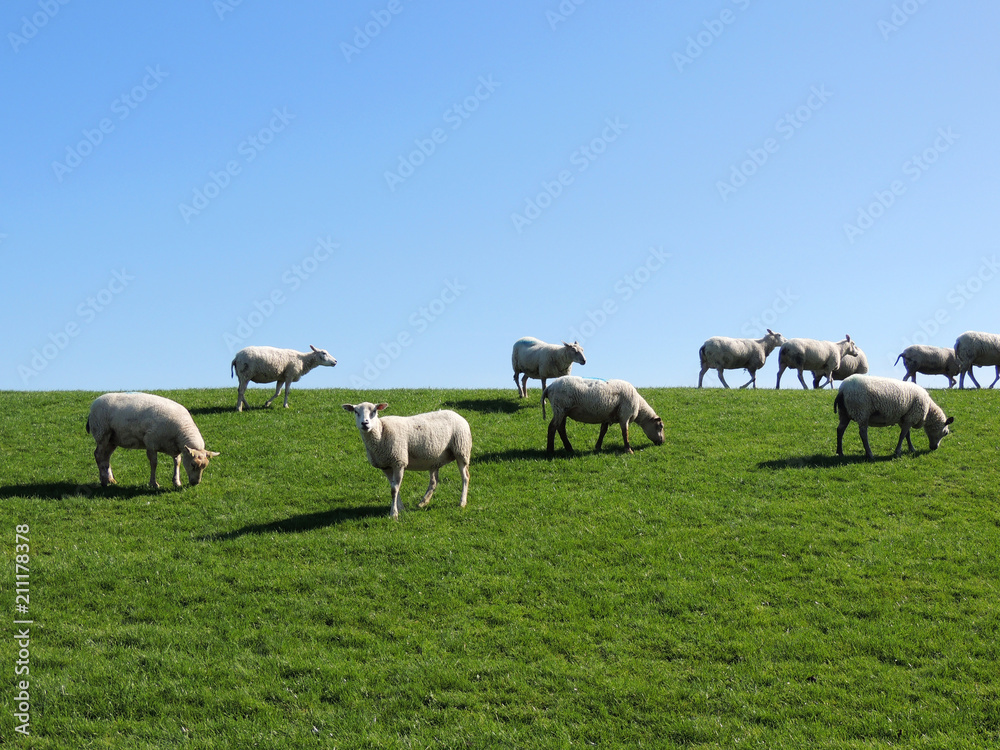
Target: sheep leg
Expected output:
[288,384]
[844,421]
[151,455]
[701,375]
[904,433]
[863,429]
[973,376]
[951,382]
[781,369]
[751,381]
[719,370]
[802,380]
[276,392]
[624,424]
[996,378]
[430,488]
[177,470]
[557,425]
[102,454]
[524,386]
[395,477]
[463,467]
[241,399]
[600,438]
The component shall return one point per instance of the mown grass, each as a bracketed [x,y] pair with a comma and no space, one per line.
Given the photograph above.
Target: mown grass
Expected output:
[738,586]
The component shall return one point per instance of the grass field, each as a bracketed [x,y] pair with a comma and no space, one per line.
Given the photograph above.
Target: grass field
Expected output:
[739,586]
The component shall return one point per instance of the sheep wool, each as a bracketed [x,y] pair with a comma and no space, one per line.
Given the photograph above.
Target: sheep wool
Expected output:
[929,360]
[723,353]
[266,364]
[598,402]
[149,422]
[977,349]
[534,358]
[823,358]
[881,402]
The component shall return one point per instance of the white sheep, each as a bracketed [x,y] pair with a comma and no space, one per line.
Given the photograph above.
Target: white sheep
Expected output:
[822,357]
[723,353]
[157,424]
[422,442]
[600,402]
[929,360]
[265,364]
[536,359]
[976,349]
[850,364]
[881,402]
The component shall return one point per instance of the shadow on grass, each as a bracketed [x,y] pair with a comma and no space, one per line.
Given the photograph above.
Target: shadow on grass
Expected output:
[302,522]
[62,490]
[826,460]
[485,405]
[214,409]
[540,454]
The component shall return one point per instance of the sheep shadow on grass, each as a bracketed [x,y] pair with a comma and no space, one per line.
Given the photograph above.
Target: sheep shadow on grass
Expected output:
[68,490]
[212,410]
[485,405]
[828,460]
[300,523]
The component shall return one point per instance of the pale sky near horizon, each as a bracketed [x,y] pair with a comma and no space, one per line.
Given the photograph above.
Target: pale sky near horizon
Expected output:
[415,185]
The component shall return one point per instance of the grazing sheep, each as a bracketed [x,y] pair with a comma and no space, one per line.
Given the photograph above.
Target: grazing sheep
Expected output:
[423,442]
[929,360]
[598,402]
[849,365]
[265,364]
[723,353]
[142,420]
[536,359]
[976,349]
[822,357]
[881,402]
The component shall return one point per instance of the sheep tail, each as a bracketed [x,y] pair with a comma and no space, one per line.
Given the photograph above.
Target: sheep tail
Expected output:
[701,355]
[897,360]
[838,403]
[232,369]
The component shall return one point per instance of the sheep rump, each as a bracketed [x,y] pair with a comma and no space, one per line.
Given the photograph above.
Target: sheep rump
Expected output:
[881,402]
[422,442]
[723,353]
[598,402]
[153,423]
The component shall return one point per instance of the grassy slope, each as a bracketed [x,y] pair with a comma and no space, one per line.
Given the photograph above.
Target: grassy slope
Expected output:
[739,584]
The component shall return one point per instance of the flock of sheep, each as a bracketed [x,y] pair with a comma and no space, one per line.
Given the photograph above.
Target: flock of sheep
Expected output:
[426,442]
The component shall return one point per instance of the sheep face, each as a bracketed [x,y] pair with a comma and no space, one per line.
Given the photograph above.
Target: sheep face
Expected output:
[195,462]
[654,430]
[324,357]
[852,348]
[365,414]
[577,352]
[937,432]
[773,339]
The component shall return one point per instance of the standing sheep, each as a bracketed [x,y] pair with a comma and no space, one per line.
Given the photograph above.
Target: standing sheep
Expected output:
[976,349]
[536,359]
[822,357]
[723,353]
[849,365]
[598,402]
[422,442]
[142,420]
[881,402]
[265,364]
[929,360]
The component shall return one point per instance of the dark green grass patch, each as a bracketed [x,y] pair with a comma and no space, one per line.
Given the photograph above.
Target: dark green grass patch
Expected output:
[738,586]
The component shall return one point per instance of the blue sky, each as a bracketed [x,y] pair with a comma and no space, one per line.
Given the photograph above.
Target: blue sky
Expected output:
[415,185]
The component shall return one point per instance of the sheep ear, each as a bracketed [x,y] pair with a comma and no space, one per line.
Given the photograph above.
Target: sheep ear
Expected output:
[948,421]
[848,337]
[770,331]
[348,407]
[380,407]
[212,454]
[313,348]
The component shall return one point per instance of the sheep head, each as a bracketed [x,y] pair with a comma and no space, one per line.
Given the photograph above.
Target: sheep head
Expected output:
[195,462]
[323,357]
[365,414]
[577,352]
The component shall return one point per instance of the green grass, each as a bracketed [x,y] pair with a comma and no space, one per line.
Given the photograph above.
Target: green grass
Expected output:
[739,586]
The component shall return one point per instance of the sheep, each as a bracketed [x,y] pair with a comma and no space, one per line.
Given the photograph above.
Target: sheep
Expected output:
[422,442]
[265,364]
[929,360]
[536,359]
[976,349]
[598,402]
[822,357]
[849,365]
[880,402]
[142,420]
[723,353]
